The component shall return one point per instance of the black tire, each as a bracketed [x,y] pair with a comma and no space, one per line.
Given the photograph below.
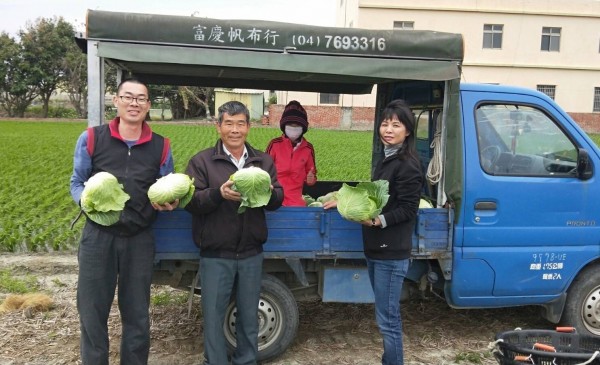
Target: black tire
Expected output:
[277,319]
[582,309]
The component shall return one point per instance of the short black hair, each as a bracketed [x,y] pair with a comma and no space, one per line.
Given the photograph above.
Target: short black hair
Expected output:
[233,108]
[133,81]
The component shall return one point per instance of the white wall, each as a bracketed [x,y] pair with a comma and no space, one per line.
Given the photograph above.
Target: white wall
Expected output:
[306,98]
[575,70]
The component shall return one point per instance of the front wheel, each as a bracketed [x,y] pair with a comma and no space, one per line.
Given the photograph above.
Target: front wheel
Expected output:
[277,319]
[582,309]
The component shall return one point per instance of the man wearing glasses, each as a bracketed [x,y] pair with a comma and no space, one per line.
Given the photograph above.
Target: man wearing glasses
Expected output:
[122,253]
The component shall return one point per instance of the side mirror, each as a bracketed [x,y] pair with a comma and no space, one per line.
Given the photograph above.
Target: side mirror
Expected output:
[585,169]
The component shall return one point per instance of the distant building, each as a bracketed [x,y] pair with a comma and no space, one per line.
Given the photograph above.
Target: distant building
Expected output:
[552,45]
[253,99]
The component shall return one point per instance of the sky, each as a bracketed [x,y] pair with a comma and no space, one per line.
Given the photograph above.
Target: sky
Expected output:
[14,14]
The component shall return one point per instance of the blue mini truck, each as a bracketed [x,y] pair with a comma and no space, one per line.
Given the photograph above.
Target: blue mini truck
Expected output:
[512,178]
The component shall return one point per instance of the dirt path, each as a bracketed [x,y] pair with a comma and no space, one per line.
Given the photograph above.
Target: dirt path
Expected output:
[329,333]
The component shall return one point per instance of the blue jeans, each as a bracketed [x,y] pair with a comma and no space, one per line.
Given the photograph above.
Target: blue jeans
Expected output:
[386,278]
[218,279]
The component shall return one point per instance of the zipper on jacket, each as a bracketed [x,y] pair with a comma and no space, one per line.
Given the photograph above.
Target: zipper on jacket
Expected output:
[127,164]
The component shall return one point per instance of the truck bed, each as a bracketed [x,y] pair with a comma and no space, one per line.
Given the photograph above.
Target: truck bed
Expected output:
[307,232]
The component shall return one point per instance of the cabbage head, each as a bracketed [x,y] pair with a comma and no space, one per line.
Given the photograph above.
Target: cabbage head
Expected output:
[308,199]
[254,184]
[424,204]
[171,187]
[365,201]
[327,197]
[103,198]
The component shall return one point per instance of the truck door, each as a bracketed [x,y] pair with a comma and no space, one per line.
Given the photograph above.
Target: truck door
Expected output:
[529,222]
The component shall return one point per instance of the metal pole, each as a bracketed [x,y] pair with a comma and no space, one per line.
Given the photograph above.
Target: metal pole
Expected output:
[95,85]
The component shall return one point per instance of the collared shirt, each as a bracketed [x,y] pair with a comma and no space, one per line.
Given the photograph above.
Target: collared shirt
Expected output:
[239,163]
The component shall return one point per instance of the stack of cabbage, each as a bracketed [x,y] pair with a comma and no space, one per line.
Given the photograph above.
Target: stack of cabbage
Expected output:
[171,187]
[365,201]
[310,202]
[103,199]
[254,184]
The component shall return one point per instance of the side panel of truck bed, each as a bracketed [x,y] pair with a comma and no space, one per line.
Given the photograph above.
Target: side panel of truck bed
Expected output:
[305,233]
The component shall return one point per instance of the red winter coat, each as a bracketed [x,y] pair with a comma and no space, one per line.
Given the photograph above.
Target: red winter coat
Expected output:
[292,167]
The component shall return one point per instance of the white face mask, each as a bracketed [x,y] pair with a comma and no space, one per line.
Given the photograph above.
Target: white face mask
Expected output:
[293,132]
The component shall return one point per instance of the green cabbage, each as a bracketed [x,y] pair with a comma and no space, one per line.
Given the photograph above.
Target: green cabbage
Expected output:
[171,187]
[365,201]
[327,197]
[308,199]
[424,204]
[254,184]
[315,204]
[103,198]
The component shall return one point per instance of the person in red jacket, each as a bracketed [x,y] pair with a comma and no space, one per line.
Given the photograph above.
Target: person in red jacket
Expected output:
[294,156]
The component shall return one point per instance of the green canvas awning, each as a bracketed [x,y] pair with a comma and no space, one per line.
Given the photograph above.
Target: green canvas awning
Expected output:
[216,67]
[178,50]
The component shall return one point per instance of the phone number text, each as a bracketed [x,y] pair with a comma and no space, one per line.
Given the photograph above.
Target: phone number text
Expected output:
[345,42]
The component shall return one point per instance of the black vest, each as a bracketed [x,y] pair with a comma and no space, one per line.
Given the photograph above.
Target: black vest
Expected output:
[136,168]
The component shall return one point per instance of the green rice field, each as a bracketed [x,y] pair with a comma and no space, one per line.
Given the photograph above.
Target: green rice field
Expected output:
[37,160]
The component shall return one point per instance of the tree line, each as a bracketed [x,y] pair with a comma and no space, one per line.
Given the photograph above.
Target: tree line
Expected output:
[45,59]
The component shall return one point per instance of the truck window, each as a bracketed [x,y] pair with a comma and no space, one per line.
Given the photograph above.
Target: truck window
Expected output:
[422,118]
[522,140]
[426,126]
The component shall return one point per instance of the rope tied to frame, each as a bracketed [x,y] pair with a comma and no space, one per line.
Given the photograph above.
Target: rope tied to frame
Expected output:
[434,169]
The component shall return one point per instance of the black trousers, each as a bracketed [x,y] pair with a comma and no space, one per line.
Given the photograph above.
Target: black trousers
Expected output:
[105,261]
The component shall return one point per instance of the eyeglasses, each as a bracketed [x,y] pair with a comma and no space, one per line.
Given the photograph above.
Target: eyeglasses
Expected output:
[129,99]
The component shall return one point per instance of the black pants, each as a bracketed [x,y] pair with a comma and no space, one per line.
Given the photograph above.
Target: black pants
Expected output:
[106,260]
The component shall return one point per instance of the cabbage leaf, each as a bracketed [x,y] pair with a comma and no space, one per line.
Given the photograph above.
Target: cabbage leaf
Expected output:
[103,198]
[254,184]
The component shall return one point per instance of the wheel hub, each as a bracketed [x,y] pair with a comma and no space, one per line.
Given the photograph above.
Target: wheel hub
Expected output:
[591,312]
[269,322]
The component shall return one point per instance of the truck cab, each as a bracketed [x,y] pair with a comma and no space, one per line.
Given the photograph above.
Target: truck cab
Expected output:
[526,226]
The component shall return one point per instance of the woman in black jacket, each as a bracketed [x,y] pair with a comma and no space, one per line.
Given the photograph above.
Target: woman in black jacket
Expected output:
[387,238]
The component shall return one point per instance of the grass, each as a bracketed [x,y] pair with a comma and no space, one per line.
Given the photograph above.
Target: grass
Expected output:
[34,185]
[340,155]
[10,284]
[37,162]
[169,298]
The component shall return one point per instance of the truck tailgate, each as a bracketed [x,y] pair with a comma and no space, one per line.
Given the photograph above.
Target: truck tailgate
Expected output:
[305,232]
